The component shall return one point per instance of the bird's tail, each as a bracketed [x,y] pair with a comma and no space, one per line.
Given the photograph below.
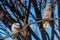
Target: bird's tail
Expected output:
[14,36]
[45,24]
[15,39]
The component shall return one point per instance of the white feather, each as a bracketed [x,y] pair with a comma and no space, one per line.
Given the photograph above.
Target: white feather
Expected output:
[46,14]
[14,30]
[14,26]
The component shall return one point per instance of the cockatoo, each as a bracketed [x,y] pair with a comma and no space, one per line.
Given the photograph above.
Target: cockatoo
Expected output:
[15,30]
[46,15]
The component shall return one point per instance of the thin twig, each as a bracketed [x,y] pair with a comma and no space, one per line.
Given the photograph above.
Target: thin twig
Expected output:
[34,23]
[40,21]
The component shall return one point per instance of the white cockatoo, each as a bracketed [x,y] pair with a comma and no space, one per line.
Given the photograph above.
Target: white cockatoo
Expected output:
[46,15]
[15,29]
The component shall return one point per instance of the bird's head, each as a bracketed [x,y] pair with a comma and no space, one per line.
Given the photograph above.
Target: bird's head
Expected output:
[16,26]
[48,6]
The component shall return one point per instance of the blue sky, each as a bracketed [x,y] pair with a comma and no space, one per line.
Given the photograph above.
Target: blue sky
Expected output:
[34,26]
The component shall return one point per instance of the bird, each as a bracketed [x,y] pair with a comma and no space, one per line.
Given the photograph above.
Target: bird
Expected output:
[15,30]
[46,15]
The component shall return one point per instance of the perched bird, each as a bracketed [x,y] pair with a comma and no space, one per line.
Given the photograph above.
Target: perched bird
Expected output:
[46,15]
[15,30]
